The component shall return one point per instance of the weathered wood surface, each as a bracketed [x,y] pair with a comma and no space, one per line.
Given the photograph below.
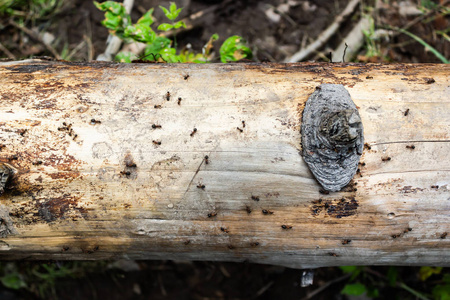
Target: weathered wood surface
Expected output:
[105,190]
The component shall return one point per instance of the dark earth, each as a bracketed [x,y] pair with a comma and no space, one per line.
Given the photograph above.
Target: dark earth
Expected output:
[274,32]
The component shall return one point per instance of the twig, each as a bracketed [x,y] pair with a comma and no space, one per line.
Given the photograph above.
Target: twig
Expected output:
[325,35]
[355,39]
[7,52]
[36,37]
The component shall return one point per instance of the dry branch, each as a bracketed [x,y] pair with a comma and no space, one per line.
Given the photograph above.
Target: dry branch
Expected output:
[108,165]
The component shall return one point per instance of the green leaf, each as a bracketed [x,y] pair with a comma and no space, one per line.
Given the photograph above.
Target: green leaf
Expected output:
[165,26]
[157,46]
[147,19]
[13,281]
[140,33]
[112,21]
[179,24]
[234,48]
[441,292]
[354,289]
[214,37]
[125,57]
[174,11]
[112,6]
[166,12]
[426,272]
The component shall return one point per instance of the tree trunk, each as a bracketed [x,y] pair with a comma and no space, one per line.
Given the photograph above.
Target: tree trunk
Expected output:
[109,162]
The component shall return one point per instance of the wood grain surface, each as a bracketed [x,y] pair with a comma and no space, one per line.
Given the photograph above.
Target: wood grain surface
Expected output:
[108,166]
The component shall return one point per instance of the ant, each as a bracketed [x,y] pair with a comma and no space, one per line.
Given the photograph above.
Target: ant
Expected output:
[154,126]
[206,159]
[179,100]
[224,229]
[286,226]
[241,130]
[248,209]
[213,214]
[386,159]
[186,77]
[157,142]
[346,242]
[411,147]
[94,121]
[201,186]
[168,96]
[126,173]
[157,106]
[406,112]
[193,131]
[243,124]
[256,198]
[267,212]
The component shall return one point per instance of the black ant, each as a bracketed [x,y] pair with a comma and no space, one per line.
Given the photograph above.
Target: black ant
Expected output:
[157,106]
[256,198]
[224,229]
[206,159]
[126,173]
[157,142]
[94,121]
[193,131]
[186,77]
[241,130]
[154,126]
[286,226]
[267,212]
[406,112]
[168,96]
[179,100]
[411,147]
[201,186]
[248,209]
[213,214]
[385,158]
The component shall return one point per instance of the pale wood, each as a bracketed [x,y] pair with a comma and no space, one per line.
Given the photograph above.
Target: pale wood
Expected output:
[77,205]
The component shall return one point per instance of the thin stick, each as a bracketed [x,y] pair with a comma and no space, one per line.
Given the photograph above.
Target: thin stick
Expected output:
[325,35]
[36,37]
[7,52]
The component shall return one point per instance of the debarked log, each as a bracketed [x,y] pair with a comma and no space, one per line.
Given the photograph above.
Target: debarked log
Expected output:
[203,162]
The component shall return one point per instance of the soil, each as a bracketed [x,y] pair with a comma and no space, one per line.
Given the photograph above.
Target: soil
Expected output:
[272,36]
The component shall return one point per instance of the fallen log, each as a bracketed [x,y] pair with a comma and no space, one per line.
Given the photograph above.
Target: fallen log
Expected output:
[203,162]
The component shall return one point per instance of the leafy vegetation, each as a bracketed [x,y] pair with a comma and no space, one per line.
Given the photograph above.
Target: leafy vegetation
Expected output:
[160,47]
[364,280]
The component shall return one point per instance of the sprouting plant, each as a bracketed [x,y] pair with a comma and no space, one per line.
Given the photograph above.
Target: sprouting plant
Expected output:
[159,47]
[172,13]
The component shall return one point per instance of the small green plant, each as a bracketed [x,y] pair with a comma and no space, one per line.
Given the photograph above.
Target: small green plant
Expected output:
[160,47]
[372,42]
